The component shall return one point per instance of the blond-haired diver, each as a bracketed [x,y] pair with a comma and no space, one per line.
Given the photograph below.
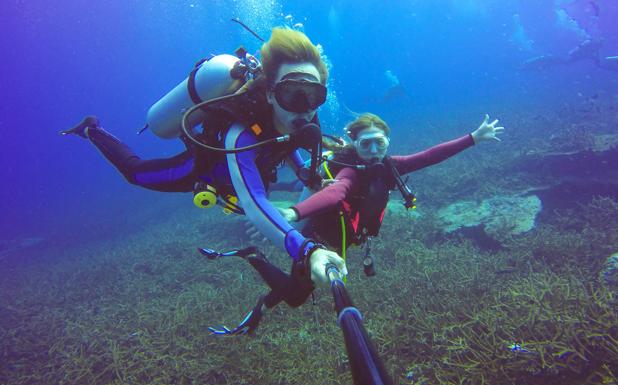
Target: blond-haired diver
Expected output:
[244,138]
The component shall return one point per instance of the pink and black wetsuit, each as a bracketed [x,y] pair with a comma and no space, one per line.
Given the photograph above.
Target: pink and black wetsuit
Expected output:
[362,197]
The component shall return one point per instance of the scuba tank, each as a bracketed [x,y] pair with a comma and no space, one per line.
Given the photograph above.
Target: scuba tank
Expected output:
[211,78]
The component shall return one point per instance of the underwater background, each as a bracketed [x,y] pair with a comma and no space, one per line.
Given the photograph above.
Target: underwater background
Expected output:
[512,242]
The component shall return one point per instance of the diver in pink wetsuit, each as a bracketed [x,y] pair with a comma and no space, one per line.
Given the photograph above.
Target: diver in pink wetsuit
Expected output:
[363,178]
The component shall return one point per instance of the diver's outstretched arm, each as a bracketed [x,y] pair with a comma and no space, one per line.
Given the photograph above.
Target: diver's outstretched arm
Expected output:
[436,154]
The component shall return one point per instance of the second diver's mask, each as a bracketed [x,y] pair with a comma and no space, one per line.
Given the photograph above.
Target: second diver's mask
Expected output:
[371,145]
[299,96]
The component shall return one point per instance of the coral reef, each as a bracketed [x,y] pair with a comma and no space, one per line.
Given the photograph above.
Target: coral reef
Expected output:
[500,215]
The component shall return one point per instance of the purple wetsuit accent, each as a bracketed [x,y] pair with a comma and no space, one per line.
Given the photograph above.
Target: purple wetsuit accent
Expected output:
[178,172]
[250,190]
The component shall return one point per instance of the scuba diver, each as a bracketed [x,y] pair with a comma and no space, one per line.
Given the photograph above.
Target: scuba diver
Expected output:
[588,49]
[349,211]
[364,176]
[253,117]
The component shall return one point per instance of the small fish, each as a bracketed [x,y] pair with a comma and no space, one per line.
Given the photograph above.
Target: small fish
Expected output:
[518,348]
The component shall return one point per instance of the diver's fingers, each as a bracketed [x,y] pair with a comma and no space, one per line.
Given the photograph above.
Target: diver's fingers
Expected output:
[251,231]
[254,235]
[258,237]
[496,139]
[486,119]
[498,129]
[494,122]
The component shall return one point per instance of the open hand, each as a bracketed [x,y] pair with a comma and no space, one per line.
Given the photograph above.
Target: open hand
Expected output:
[487,131]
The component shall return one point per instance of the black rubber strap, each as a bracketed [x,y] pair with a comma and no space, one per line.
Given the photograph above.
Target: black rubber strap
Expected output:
[191,86]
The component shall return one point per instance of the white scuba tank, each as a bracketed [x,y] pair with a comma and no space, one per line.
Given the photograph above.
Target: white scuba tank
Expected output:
[210,79]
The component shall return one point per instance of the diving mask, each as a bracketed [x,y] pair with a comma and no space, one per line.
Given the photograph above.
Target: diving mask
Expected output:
[299,96]
[364,142]
[371,146]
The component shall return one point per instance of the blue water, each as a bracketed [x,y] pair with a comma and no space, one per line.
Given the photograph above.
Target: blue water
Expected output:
[65,59]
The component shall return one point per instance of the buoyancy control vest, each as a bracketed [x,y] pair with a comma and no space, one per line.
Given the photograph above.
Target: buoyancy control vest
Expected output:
[363,209]
[252,111]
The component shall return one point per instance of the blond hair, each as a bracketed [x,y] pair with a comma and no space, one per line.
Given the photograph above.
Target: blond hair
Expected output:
[364,121]
[289,46]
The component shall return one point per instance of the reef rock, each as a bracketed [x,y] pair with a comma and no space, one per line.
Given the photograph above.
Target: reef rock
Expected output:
[499,216]
[575,174]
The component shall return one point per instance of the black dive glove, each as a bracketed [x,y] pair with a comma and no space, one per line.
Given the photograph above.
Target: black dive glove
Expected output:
[248,324]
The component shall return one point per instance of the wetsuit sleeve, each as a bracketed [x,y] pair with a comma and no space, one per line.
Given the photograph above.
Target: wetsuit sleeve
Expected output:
[436,154]
[329,197]
[170,175]
[251,193]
